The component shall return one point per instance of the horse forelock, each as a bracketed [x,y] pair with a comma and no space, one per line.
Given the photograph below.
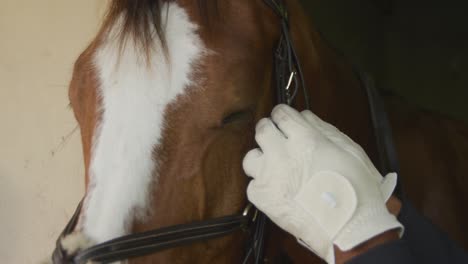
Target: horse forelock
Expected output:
[133,98]
[143,21]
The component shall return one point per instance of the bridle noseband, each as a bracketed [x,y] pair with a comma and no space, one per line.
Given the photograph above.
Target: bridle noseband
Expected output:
[144,243]
[288,78]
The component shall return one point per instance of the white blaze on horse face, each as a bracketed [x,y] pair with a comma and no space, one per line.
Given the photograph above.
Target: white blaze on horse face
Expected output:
[134,98]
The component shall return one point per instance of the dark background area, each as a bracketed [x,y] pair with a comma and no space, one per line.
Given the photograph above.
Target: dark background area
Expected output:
[418,50]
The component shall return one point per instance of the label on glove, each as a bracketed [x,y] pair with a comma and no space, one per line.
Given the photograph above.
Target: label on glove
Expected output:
[330,199]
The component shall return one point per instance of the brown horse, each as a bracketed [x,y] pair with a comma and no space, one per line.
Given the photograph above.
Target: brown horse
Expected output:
[432,149]
[167,97]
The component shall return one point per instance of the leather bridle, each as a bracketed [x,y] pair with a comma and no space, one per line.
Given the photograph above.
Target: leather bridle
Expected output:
[288,79]
[141,244]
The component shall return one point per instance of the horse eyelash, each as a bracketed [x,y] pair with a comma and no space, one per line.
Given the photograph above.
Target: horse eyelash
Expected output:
[234,116]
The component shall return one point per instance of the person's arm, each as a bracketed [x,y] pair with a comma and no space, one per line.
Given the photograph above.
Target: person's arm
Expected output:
[384,247]
[362,254]
[422,242]
[427,242]
[393,252]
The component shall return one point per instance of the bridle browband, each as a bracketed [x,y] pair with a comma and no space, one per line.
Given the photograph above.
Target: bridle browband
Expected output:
[288,78]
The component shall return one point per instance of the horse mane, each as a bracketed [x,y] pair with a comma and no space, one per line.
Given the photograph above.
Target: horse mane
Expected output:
[143,22]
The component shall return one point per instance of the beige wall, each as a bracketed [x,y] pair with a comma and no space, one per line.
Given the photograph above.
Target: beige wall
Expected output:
[41,167]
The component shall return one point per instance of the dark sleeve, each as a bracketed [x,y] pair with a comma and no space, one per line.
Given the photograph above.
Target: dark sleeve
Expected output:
[422,242]
[389,253]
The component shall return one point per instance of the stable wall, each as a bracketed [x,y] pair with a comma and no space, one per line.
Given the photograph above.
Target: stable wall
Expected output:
[41,166]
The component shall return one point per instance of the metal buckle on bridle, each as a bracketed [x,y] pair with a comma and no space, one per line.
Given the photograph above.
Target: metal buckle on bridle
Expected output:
[251,213]
[292,77]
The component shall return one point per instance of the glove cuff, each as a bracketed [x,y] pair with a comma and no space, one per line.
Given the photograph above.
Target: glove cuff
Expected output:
[366,225]
[324,250]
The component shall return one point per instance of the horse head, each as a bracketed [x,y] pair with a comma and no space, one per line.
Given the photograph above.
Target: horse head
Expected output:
[167,96]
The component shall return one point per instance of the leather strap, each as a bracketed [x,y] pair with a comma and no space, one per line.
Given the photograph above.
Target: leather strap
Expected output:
[145,243]
[388,158]
[142,244]
[287,67]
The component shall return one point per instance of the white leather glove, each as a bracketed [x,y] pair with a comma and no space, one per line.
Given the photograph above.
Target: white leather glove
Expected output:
[316,183]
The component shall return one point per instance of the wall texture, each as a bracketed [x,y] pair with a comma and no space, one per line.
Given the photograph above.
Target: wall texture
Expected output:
[41,167]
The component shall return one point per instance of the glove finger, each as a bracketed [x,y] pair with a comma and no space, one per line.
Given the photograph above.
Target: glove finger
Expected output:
[262,197]
[311,118]
[388,185]
[252,162]
[288,120]
[330,131]
[254,195]
[268,136]
[340,139]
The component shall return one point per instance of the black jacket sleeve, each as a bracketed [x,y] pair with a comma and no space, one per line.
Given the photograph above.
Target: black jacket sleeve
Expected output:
[422,242]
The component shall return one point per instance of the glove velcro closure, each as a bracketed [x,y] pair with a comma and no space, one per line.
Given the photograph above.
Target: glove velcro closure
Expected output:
[329,199]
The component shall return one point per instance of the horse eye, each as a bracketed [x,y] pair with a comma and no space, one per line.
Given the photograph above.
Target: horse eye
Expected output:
[235,116]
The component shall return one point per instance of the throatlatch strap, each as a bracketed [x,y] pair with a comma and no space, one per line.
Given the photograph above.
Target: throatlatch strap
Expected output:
[388,158]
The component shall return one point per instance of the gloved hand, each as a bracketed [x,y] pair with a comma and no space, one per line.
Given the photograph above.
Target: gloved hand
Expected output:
[316,183]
